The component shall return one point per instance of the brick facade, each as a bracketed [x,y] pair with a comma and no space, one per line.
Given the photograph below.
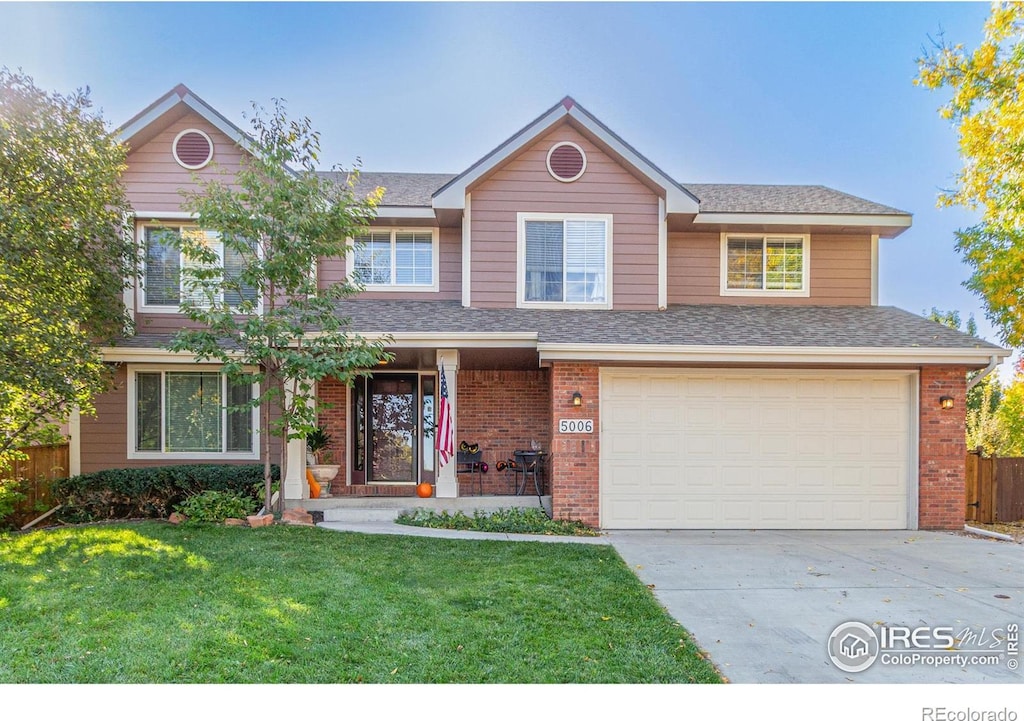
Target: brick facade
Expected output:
[501,411]
[943,449]
[575,458]
[332,419]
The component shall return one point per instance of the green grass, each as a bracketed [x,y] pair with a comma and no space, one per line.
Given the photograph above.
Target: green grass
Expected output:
[156,603]
[505,520]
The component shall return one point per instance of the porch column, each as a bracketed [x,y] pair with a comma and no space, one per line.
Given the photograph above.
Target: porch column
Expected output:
[294,485]
[75,442]
[447,485]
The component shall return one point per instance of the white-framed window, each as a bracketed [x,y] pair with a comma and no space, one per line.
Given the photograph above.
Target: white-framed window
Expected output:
[767,265]
[396,259]
[163,284]
[194,412]
[564,260]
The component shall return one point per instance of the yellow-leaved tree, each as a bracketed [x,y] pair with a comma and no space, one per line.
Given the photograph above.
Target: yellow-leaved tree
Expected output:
[987,110]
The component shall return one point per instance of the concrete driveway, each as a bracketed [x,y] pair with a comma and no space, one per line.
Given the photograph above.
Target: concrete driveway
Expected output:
[764,603]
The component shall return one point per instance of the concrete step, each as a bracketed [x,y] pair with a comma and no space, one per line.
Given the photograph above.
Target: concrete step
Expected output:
[361,515]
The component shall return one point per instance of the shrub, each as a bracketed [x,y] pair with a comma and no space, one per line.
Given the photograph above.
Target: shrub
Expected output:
[215,506]
[149,492]
[9,498]
[506,520]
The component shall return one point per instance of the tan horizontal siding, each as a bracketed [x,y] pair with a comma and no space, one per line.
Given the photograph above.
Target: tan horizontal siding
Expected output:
[153,177]
[524,185]
[840,271]
[104,436]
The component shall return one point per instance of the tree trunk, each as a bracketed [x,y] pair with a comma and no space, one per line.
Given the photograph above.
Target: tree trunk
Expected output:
[268,481]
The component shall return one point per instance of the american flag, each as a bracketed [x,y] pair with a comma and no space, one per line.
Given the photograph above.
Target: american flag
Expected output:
[444,439]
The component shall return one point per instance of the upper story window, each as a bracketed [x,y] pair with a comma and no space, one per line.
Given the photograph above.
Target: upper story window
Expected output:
[564,260]
[765,265]
[164,286]
[396,259]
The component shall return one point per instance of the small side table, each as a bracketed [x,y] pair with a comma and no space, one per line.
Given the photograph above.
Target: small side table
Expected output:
[530,464]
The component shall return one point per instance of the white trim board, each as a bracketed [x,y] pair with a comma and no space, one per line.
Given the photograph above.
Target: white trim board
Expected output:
[785,355]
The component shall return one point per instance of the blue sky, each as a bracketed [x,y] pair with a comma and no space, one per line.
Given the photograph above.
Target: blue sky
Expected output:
[711,92]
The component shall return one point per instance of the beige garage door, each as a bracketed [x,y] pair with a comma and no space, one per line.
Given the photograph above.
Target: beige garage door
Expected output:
[756,449]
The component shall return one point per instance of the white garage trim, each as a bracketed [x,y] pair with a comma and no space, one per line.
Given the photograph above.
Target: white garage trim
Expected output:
[758,448]
[776,355]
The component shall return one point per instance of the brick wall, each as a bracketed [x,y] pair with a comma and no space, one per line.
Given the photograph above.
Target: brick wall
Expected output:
[942,449]
[575,458]
[502,411]
[332,419]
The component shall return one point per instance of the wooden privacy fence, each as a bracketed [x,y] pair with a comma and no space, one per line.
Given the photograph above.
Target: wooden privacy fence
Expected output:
[43,465]
[995,489]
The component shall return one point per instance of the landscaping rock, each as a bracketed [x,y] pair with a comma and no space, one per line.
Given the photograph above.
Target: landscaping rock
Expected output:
[297,517]
[234,521]
[176,518]
[260,521]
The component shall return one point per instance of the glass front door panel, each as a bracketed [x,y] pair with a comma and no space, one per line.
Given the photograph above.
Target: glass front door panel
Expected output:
[393,415]
[428,453]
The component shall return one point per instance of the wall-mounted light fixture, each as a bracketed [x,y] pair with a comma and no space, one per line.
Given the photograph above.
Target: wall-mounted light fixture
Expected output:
[577,399]
[946,402]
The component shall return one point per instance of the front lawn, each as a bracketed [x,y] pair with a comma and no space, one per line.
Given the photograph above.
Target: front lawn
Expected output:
[155,603]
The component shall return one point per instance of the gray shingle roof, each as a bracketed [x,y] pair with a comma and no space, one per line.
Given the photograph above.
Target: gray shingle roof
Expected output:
[730,198]
[415,189]
[408,189]
[697,325]
[144,340]
[679,325]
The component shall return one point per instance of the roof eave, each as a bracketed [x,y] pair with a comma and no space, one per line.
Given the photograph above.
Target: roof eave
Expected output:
[775,355]
[406,211]
[884,225]
[181,95]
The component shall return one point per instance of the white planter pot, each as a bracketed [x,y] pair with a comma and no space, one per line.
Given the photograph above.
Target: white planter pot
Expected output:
[324,473]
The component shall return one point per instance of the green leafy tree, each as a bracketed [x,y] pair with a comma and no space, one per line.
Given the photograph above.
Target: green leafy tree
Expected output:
[986,428]
[266,319]
[1011,415]
[987,110]
[64,257]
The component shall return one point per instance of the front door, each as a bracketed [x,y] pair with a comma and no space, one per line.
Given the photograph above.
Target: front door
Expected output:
[392,410]
[387,440]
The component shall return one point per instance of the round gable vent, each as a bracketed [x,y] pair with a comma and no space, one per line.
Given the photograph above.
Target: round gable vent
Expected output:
[566,162]
[192,148]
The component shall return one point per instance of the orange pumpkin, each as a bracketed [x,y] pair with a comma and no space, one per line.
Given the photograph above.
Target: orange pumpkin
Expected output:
[424,490]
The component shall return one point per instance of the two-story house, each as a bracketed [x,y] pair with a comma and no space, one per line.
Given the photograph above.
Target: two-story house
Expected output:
[685,355]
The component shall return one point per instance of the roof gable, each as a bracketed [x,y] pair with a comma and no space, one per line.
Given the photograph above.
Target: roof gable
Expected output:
[452,195]
[172,106]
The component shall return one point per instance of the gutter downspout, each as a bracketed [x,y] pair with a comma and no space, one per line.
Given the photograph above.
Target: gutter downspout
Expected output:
[984,372]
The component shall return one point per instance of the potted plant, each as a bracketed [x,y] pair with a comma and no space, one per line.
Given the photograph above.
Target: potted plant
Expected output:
[319,459]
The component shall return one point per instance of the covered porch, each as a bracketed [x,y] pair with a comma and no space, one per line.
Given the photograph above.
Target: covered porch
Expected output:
[382,431]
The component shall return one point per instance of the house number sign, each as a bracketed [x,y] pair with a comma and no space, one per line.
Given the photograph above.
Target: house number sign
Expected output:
[575,425]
